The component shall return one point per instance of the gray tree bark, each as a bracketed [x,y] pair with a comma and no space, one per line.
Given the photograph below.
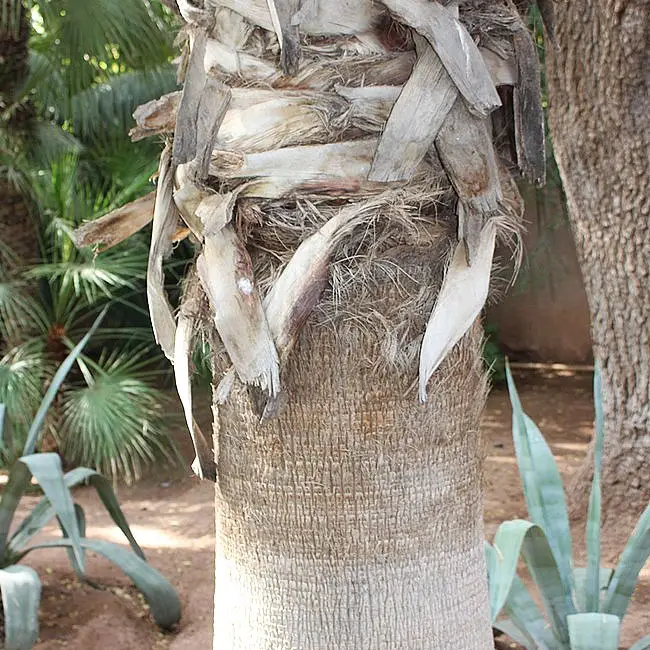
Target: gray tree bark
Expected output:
[599,78]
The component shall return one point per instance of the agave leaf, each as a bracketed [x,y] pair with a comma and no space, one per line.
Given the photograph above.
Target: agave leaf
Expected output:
[57,380]
[593,631]
[592,580]
[3,413]
[506,626]
[580,581]
[542,484]
[21,597]
[626,574]
[47,470]
[522,536]
[157,590]
[80,515]
[13,491]
[43,511]
[642,644]
[527,618]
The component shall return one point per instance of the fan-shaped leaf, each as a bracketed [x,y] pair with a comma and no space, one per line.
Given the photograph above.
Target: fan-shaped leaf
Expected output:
[64,368]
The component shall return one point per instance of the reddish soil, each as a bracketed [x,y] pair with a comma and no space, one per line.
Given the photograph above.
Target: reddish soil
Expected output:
[171,516]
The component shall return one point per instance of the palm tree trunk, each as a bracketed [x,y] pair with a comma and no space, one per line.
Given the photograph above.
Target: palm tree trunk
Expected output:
[353,520]
[335,166]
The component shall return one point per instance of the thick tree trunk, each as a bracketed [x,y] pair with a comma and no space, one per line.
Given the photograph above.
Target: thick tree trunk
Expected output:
[600,122]
[17,227]
[353,521]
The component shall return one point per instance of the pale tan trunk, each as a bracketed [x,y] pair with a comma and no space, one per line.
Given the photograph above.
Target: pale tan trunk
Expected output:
[600,121]
[354,520]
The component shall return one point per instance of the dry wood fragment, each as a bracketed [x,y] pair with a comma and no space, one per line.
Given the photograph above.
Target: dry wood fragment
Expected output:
[298,289]
[502,70]
[467,155]
[530,137]
[224,58]
[184,148]
[203,465]
[321,18]
[286,29]
[116,226]
[415,119]
[164,227]
[339,169]
[370,106]
[455,47]
[257,119]
[460,301]
[226,274]
[211,111]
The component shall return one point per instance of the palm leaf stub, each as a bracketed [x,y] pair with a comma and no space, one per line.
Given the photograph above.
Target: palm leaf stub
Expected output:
[376,85]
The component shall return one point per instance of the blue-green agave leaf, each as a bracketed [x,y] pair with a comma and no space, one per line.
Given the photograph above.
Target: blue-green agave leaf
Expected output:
[594,631]
[519,536]
[580,580]
[526,616]
[157,590]
[642,644]
[542,485]
[592,537]
[21,597]
[626,574]
[43,511]
[19,477]
[47,470]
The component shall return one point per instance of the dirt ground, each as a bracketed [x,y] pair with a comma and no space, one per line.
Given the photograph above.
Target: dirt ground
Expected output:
[171,516]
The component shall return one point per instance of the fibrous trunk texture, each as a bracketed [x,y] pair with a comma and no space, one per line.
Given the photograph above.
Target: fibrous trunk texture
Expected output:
[333,162]
[352,521]
[600,122]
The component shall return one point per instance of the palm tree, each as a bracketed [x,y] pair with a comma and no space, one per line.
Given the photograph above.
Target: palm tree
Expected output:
[334,165]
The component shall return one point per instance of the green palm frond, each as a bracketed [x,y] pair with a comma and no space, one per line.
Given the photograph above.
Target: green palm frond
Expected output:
[116,423]
[92,39]
[92,278]
[24,371]
[106,109]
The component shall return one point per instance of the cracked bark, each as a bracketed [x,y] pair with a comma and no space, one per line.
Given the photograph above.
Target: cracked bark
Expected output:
[599,79]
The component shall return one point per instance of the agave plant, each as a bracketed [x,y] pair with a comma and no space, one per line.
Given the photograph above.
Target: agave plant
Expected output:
[583,606]
[20,584]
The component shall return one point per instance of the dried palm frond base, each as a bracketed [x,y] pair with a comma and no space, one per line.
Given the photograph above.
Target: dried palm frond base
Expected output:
[335,164]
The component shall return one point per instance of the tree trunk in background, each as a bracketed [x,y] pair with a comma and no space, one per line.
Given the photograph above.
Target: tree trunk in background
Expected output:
[354,520]
[17,227]
[599,79]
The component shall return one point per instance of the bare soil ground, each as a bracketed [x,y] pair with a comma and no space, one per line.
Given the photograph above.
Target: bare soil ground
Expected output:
[171,516]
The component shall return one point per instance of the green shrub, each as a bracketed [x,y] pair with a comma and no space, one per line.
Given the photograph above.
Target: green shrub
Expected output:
[584,606]
[20,585]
